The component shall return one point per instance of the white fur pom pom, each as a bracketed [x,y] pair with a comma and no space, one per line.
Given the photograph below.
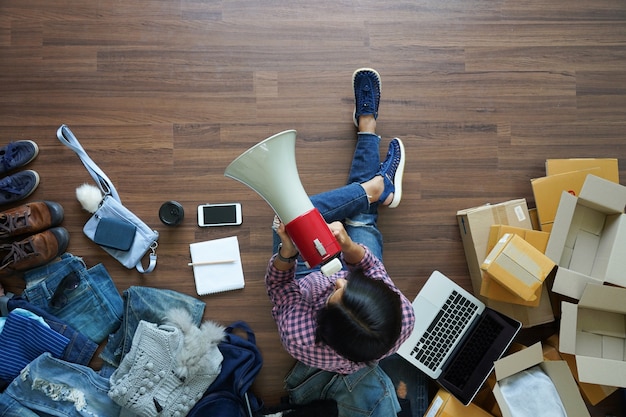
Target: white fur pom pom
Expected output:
[89,197]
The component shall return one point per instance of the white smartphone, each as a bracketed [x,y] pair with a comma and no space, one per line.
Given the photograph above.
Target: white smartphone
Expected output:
[225,214]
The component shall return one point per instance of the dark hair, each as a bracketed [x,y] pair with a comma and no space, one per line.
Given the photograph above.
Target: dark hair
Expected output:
[365,324]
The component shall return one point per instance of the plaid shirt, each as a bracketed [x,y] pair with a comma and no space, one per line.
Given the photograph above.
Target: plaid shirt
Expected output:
[296,303]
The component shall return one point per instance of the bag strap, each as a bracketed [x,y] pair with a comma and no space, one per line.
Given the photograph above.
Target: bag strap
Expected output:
[65,135]
[67,138]
[242,325]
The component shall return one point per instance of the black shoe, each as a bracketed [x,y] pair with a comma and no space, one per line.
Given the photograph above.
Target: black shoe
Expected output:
[18,186]
[17,154]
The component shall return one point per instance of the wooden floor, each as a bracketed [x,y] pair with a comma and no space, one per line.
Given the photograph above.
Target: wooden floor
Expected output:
[165,94]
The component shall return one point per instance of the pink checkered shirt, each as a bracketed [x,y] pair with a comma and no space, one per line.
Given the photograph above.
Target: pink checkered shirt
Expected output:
[296,303]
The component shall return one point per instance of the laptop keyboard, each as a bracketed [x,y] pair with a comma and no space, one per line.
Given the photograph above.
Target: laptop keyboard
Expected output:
[444,330]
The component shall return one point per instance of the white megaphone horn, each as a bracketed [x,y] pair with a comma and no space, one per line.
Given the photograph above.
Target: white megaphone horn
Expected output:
[269,168]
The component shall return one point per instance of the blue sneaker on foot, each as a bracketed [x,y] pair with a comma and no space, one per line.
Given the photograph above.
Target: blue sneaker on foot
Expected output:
[367,87]
[392,169]
[17,154]
[18,186]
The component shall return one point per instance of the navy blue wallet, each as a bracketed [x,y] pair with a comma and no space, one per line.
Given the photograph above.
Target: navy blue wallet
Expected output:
[115,233]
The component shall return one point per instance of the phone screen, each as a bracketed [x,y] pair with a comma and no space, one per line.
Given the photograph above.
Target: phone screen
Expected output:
[219,214]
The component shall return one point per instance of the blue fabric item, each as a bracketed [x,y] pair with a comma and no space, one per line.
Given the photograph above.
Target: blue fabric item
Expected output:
[416,384]
[229,394]
[148,304]
[94,308]
[80,349]
[22,340]
[52,387]
[367,392]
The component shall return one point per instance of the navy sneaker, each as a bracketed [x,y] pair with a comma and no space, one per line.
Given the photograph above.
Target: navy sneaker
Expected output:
[17,154]
[392,170]
[18,186]
[367,87]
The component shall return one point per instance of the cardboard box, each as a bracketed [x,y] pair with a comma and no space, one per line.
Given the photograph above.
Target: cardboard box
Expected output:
[589,237]
[558,372]
[491,288]
[445,405]
[609,168]
[592,393]
[518,266]
[547,191]
[594,330]
[474,224]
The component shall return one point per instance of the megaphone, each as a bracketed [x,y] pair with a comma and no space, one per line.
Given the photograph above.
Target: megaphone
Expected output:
[269,168]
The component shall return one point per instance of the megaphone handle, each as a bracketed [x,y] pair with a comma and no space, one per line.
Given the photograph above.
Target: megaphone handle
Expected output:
[331,267]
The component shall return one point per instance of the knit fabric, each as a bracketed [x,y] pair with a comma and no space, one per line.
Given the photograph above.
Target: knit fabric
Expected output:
[167,369]
[24,337]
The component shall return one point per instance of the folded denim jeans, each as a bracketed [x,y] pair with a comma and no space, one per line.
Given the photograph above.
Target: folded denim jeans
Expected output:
[93,307]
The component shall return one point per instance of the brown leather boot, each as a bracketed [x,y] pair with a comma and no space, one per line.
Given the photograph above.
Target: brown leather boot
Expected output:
[30,218]
[33,251]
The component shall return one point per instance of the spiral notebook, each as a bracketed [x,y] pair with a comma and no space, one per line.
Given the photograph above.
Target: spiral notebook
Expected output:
[217,265]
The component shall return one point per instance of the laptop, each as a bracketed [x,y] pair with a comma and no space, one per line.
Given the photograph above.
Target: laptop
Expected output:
[456,338]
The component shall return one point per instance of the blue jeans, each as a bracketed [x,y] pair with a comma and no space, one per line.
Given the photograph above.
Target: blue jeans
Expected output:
[53,387]
[94,308]
[151,305]
[366,392]
[349,204]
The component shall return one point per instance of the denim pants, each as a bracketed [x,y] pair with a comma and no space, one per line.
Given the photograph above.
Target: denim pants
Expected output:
[349,204]
[53,387]
[151,305]
[94,308]
[367,392]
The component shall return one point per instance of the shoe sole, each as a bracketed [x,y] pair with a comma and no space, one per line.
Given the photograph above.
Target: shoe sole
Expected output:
[34,187]
[34,155]
[397,178]
[380,87]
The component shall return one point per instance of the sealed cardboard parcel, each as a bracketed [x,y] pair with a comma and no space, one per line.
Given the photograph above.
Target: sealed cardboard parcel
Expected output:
[491,288]
[518,266]
[588,239]
[474,224]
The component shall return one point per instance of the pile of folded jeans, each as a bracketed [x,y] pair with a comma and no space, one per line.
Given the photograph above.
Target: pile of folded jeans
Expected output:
[50,333]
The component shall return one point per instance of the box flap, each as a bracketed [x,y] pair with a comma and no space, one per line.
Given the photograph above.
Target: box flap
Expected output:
[601,371]
[604,297]
[564,382]
[567,332]
[560,228]
[603,194]
[571,283]
[512,364]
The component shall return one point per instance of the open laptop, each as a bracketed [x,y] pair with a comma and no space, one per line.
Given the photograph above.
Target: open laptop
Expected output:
[456,338]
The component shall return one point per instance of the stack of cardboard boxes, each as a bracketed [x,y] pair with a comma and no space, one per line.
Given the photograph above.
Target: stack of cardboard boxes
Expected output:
[563,260]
